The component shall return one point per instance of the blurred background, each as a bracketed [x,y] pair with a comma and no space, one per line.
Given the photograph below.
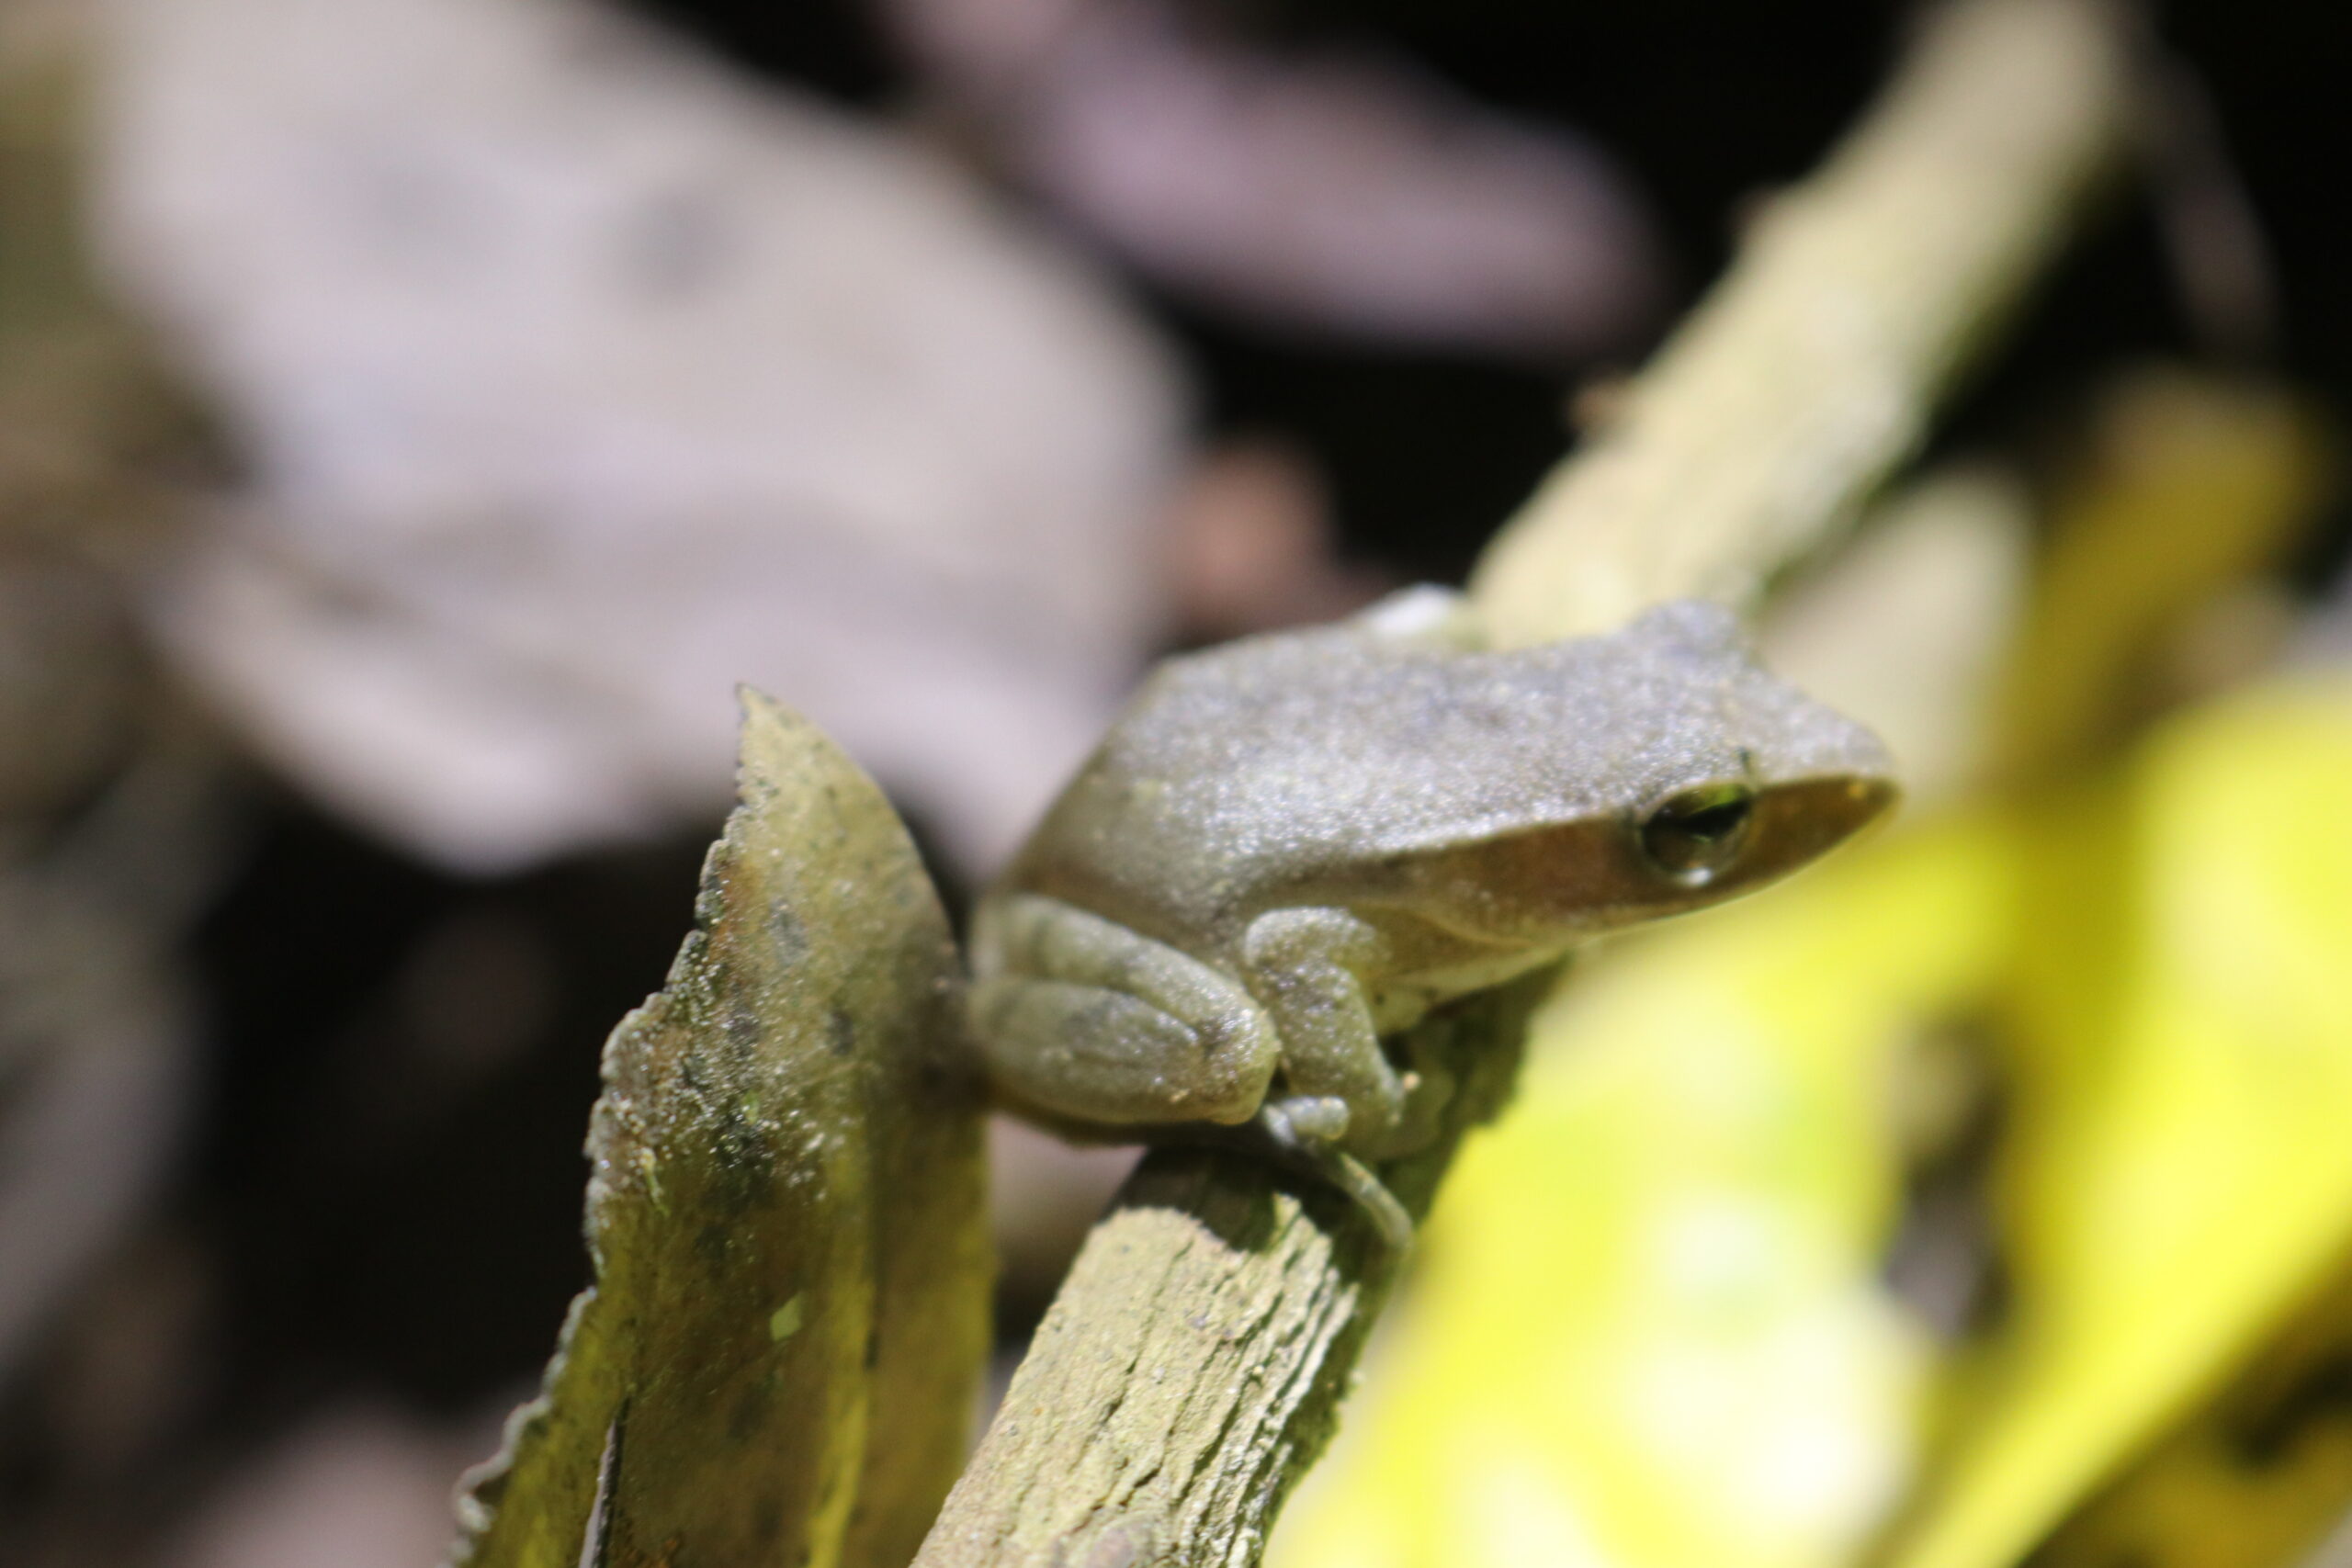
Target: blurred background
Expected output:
[417,415]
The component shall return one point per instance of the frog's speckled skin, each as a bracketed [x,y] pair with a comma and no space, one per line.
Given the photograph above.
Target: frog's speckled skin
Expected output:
[1293,844]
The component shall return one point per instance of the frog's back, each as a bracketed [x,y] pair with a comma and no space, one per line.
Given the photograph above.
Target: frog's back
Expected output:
[1264,771]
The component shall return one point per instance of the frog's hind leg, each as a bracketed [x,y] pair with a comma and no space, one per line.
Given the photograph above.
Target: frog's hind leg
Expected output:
[1083,1018]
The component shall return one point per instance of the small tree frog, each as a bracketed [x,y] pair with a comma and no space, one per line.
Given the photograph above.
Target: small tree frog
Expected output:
[1293,846]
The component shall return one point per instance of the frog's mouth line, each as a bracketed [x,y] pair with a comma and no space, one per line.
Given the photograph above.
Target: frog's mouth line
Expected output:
[1553,886]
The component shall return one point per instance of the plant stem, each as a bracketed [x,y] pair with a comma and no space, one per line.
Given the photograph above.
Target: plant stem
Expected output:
[1812,369]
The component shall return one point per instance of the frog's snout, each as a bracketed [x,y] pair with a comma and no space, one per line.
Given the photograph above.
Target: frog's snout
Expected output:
[1802,818]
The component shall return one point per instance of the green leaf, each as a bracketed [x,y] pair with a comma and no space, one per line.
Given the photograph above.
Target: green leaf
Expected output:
[776,1362]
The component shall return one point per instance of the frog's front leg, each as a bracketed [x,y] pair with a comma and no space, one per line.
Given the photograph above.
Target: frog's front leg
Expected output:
[1310,969]
[1081,1016]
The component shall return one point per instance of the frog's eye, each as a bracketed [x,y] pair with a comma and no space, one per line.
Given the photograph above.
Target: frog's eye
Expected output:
[1695,834]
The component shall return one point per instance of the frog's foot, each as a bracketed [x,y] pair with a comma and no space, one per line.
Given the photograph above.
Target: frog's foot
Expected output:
[1305,966]
[1286,1124]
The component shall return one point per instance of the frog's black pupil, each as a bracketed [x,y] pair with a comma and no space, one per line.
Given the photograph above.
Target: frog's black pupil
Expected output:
[1715,821]
[1698,833]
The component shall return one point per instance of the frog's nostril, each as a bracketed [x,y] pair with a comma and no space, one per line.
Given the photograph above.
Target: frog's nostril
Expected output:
[1869,798]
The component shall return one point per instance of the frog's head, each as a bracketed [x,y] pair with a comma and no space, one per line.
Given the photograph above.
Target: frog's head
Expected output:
[1656,769]
[1733,776]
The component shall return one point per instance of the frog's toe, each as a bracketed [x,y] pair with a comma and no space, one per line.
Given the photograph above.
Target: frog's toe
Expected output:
[1429,1089]
[1308,1118]
[1281,1120]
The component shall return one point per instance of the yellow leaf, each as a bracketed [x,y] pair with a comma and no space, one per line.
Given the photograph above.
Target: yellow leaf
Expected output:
[2181,1173]
[2193,484]
[1648,1329]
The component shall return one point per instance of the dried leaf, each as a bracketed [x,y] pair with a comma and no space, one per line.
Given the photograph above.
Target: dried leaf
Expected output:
[1343,192]
[777,1358]
[581,378]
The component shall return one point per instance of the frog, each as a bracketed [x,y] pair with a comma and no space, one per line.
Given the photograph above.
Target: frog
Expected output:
[1291,848]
